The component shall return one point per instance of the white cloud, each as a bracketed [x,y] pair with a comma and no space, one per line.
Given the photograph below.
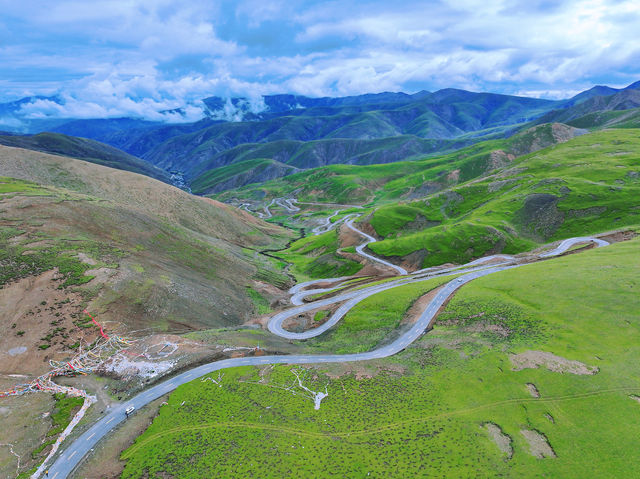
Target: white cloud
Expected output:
[144,57]
[259,11]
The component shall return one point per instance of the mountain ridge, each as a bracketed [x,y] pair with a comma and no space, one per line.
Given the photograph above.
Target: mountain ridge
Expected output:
[85,149]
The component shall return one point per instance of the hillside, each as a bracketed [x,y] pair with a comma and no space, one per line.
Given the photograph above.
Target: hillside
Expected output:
[85,149]
[305,132]
[626,99]
[136,137]
[515,368]
[458,207]
[608,119]
[406,179]
[240,174]
[348,132]
[587,184]
[140,254]
[317,153]
[181,282]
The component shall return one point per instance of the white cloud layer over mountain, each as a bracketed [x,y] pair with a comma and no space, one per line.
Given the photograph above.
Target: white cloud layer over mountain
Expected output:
[144,58]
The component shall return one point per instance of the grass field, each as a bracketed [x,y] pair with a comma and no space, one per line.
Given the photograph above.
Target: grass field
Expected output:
[65,408]
[373,320]
[316,257]
[422,413]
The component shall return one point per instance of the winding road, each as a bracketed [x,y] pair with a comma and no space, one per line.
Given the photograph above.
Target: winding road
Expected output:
[76,451]
[371,239]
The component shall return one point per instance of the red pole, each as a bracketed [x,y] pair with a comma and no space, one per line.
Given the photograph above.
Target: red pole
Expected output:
[102,333]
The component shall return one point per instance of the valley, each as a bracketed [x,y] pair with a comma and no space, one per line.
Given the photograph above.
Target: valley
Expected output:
[367,286]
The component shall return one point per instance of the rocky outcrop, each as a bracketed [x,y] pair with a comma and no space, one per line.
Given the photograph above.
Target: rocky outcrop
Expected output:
[543,136]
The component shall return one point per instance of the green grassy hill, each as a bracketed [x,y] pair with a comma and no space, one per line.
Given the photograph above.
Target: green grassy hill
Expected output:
[311,153]
[586,185]
[609,119]
[407,179]
[239,174]
[623,100]
[316,257]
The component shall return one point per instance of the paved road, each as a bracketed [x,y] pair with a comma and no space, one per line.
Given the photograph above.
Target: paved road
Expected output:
[76,451]
[287,204]
[568,243]
[326,226]
[371,239]
[350,299]
[300,286]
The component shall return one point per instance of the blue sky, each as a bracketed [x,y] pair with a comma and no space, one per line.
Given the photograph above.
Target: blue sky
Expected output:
[142,57]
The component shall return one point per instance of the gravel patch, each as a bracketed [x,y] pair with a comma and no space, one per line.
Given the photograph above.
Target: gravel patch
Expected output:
[502,440]
[538,444]
[533,390]
[557,364]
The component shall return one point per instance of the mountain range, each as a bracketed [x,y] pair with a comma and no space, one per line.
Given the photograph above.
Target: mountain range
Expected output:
[288,133]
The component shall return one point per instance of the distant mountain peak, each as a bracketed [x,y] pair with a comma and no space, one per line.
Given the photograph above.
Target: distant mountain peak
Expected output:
[633,86]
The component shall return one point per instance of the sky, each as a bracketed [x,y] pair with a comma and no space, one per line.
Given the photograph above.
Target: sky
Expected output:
[143,58]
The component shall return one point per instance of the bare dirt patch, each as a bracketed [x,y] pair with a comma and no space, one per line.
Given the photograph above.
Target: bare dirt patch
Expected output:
[538,444]
[86,259]
[619,236]
[102,275]
[556,364]
[486,327]
[151,357]
[348,237]
[418,307]
[500,159]
[454,176]
[307,321]
[38,324]
[533,390]
[502,440]
[361,370]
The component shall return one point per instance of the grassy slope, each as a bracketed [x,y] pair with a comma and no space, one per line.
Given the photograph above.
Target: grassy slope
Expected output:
[363,184]
[609,119]
[427,420]
[316,257]
[248,171]
[388,182]
[590,184]
[622,100]
[374,319]
[180,261]
[317,153]
[85,149]
[140,194]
